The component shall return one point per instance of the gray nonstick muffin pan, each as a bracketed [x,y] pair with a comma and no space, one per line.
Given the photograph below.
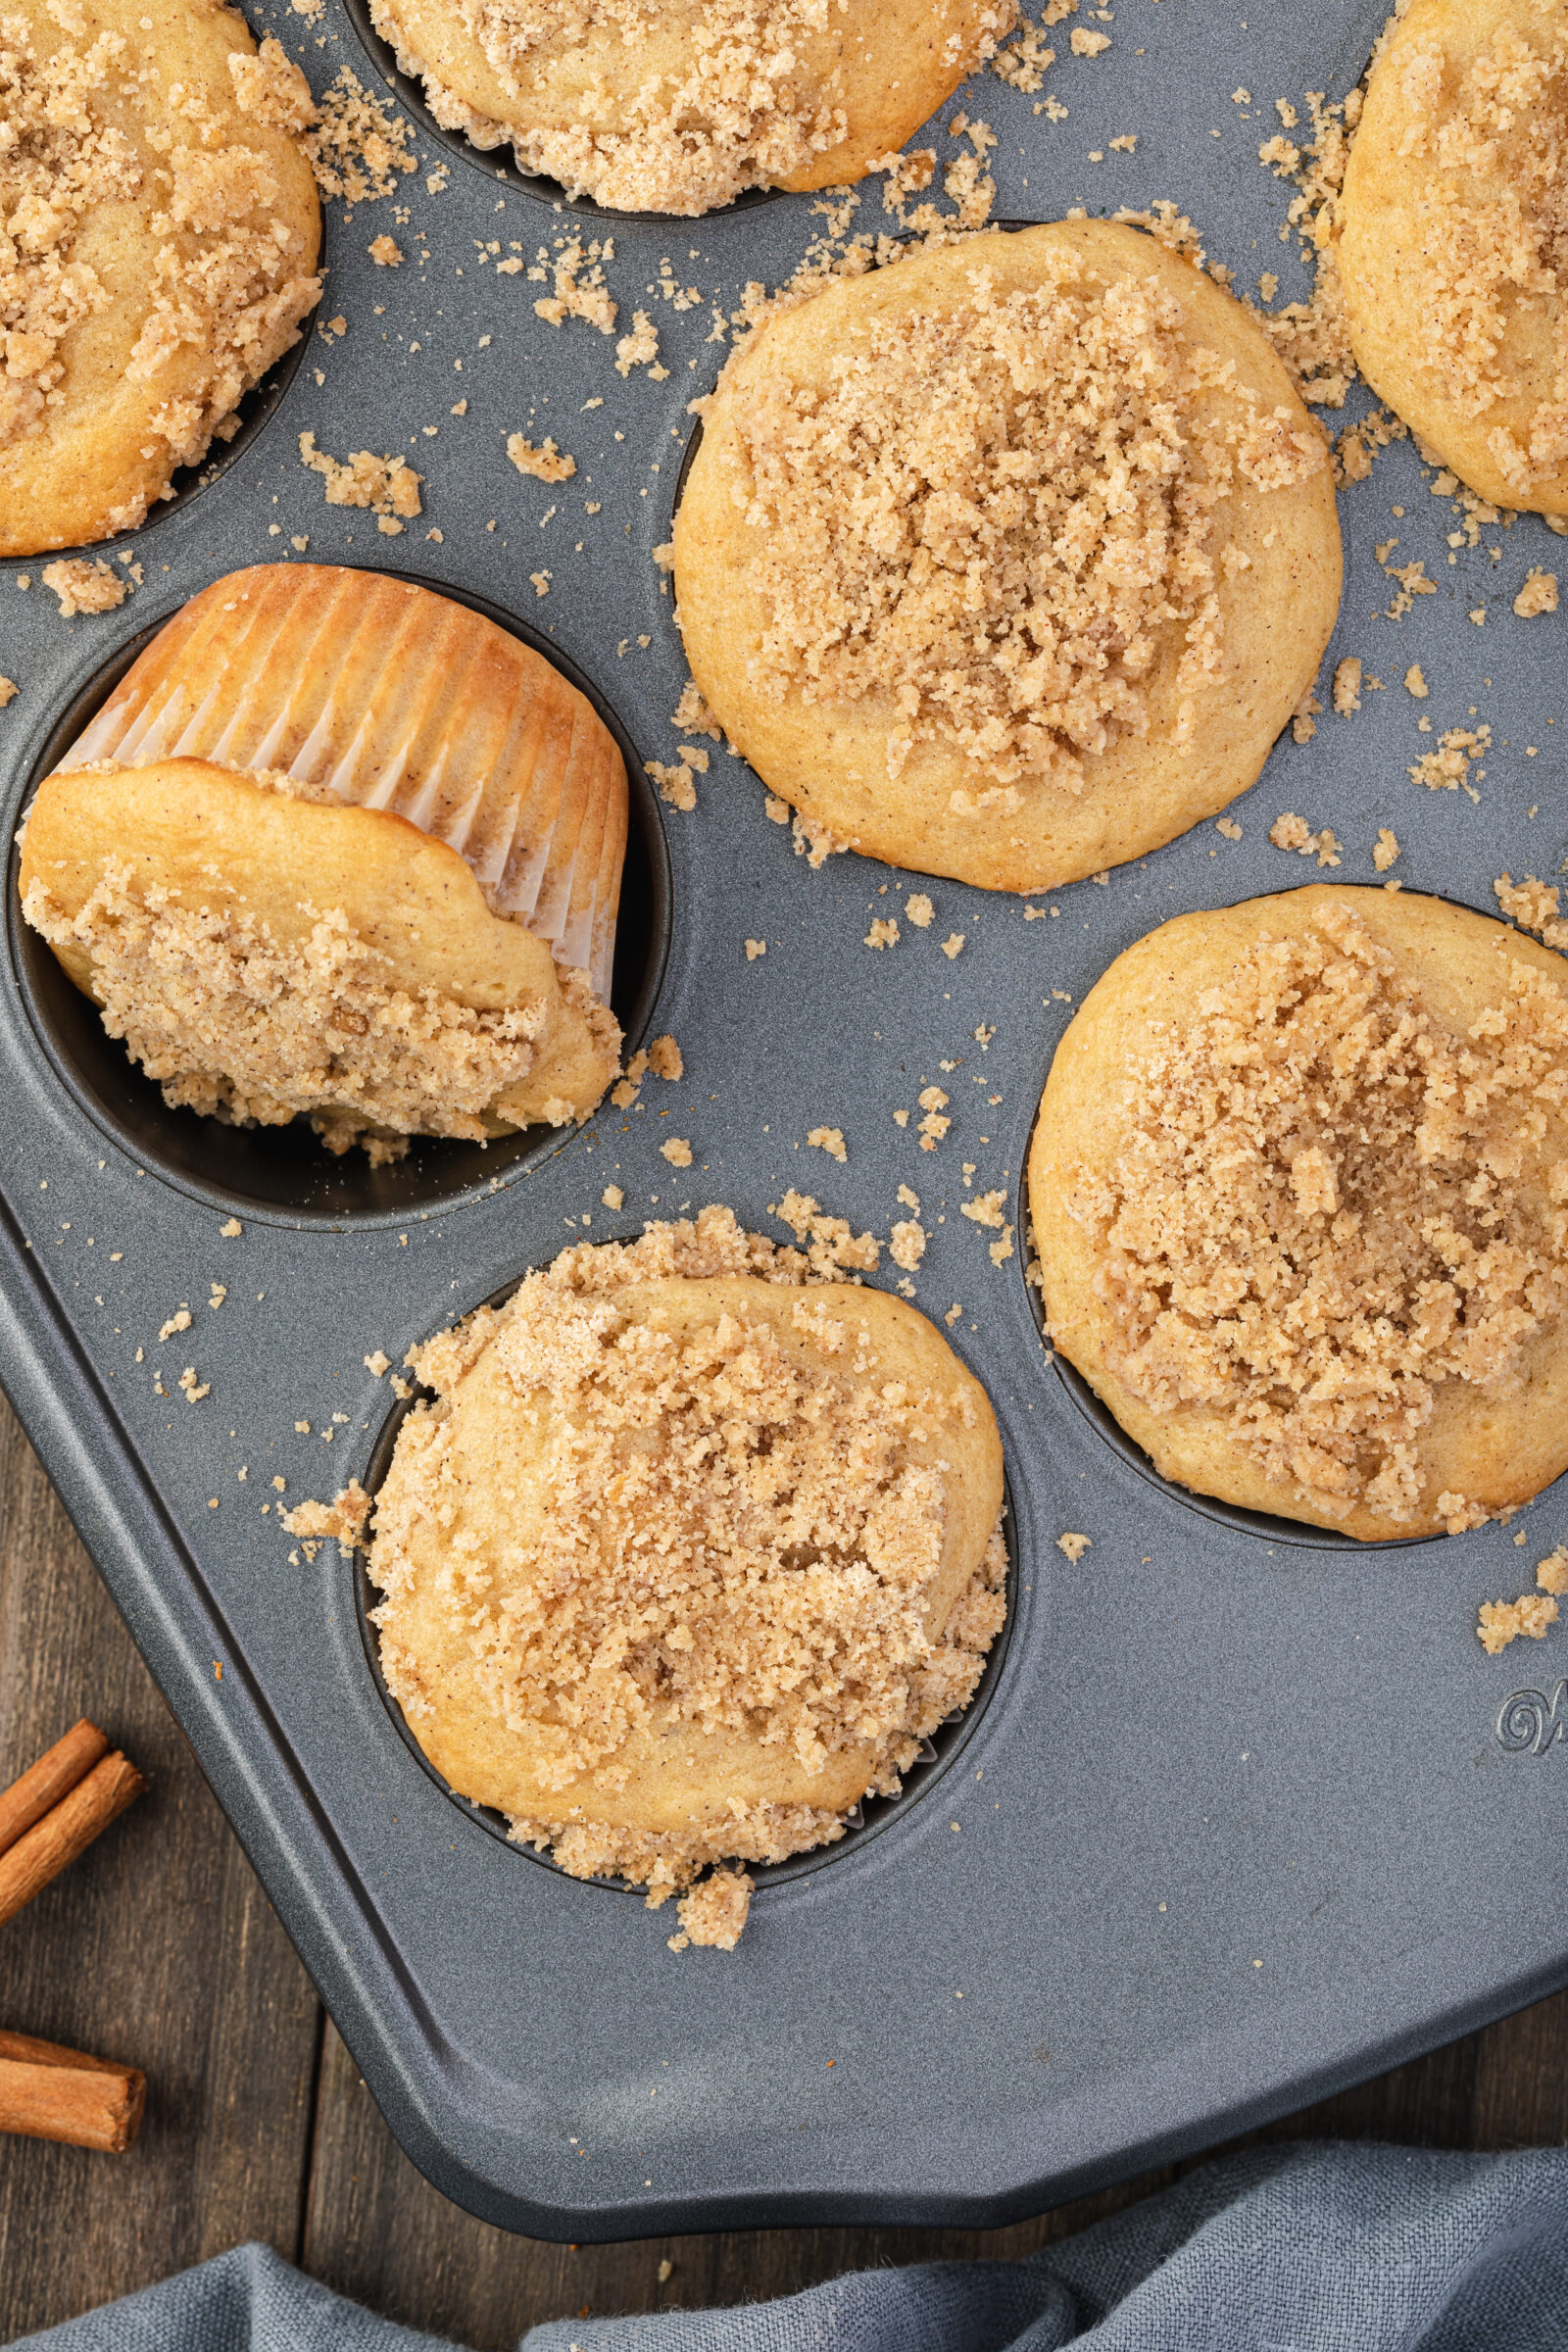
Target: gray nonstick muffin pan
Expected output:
[1241,1813]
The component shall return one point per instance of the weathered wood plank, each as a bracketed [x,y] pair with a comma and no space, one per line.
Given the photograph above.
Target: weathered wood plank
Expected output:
[156,1947]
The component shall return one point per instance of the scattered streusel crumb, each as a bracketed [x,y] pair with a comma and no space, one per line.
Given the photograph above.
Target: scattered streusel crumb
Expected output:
[1073,1545]
[829,1140]
[1385,851]
[232,1230]
[85,587]
[385,251]
[1503,1621]
[1348,686]
[546,464]
[883,933]
[953,945]
[1551,1573]
[907,1246]
[1292,832]
[9,690]
[389,485]
[1537,595]
[613,1196]
[984,1209]
[754,948]
[677,1151]
[714,1912]
[344,1517]
[1415,683]
[1229,827]
[919,910]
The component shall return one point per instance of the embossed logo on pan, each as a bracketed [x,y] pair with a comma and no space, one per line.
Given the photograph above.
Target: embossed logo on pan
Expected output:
[1529,1723]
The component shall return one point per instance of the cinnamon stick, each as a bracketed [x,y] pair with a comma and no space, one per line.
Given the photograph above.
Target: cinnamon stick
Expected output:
[53,1777]
[50,2094]
[42,1852]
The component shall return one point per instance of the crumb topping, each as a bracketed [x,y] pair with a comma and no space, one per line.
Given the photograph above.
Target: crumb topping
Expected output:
[731,1525]
[1003,519]
[744,109]
[227,286]
[1328,1205]
[234,1024]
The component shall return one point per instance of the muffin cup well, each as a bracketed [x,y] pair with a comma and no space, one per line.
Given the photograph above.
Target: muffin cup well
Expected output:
[939,1756]
[286,1170]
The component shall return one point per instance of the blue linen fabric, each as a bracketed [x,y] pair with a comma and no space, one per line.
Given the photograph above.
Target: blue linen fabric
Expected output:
[1287,2248]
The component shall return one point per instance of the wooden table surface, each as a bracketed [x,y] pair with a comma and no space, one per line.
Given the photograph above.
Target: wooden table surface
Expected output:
[159,1947]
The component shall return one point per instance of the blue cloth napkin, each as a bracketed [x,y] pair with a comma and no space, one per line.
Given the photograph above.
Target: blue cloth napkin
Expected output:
[1288,2248]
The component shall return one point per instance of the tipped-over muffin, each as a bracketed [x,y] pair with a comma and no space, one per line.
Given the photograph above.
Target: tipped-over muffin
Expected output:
[689,1555]
[265,952]
[677,107]
[1010,560]
[1300,1193]
[161,230]
[1450,248]
[373,690]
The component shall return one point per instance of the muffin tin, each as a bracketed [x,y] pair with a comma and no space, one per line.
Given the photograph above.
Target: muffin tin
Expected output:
[1240,1814]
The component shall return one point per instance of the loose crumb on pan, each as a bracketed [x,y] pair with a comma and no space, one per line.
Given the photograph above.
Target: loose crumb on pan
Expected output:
[884,933]
[754,948]
[385,251]
[1415,682]
[1327,1206]
[831,1245]
[677,1151]
[345,1517]
[389,485]
[907,1244]
[936,460]
[1292,832]
[1503,1621]
[1551,1573]
[547,464]
[1348,686]
[714,1912]
[1537,595]
[952,945]
[798,1541]
[663,1055]
[919,910]
[1532,905]
[613,1196]
[829,1140]
[1447,768]
[1387,850]
[232,1025]
[1228,826]
[85,587]
[1074,1545]
[9,690]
